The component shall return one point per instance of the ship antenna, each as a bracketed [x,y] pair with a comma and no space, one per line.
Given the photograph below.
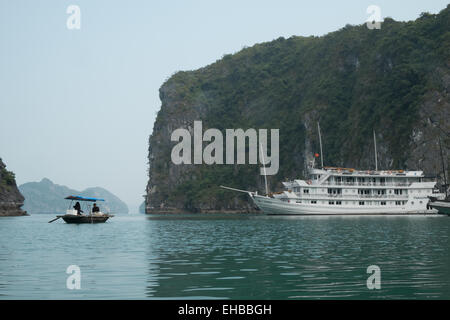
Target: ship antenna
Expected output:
[376,156]
[320,142]
[264,167]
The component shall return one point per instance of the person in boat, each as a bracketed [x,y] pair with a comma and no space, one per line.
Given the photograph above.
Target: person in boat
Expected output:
[77,207]
[95,208]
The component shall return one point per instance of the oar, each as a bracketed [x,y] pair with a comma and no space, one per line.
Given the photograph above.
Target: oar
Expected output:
[54,219]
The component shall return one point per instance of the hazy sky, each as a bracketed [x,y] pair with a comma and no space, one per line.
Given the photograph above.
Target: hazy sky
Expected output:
[77,106]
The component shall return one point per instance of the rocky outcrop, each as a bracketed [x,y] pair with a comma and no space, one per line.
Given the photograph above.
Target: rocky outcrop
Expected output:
[353,81]
[11,200]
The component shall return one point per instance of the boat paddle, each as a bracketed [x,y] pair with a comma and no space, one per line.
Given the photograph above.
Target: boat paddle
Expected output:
[54,219]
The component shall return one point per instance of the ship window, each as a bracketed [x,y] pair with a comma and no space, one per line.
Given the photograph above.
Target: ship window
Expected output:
[383,203]
[313,202]
[298,201]
[339,202]
[361,203]
[330,202]
[305,190]
[397,203]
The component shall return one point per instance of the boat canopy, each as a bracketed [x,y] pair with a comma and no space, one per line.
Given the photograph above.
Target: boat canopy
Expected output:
[79,198]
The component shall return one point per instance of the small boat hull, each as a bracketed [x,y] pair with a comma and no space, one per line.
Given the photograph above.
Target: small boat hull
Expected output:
[443,207]
[73,219]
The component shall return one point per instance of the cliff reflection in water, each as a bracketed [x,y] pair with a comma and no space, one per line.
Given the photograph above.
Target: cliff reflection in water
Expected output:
[260,257]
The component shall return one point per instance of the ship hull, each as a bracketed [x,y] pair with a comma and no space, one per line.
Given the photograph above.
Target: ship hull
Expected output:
[273,206]
[74,219]
[443,207]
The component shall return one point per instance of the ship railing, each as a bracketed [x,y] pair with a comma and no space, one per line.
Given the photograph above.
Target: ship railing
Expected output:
[366,184]
[352,196]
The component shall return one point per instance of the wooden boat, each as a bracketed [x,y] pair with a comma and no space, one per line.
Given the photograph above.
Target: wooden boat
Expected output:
[70,218]
[74,214]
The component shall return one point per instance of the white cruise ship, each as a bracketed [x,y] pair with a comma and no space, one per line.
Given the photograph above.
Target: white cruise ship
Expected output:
[348,191]
[344,191]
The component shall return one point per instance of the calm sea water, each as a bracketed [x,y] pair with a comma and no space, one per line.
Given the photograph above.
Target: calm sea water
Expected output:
[226,257]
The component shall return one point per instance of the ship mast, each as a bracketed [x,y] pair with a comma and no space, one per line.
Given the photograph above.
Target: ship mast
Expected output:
[443,169]
[264,166]
[320,142]
[375,144]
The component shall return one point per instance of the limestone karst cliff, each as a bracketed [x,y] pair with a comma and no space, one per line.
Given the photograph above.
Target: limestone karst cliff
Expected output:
[395,81]
[11,200]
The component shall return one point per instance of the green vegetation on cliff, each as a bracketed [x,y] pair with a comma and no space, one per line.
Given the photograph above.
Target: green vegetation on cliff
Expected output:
[7,178]
[10,198]
[395,80]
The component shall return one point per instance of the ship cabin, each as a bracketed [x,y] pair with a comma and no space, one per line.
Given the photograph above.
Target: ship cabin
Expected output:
[350,187]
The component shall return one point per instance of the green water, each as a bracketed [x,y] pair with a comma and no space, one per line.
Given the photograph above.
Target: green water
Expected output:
[226,257]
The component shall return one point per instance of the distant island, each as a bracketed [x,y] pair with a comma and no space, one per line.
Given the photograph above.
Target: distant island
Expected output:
[47,197]
[394,80]
[11,200]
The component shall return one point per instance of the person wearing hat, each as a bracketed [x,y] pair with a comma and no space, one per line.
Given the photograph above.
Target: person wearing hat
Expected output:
[77,207]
